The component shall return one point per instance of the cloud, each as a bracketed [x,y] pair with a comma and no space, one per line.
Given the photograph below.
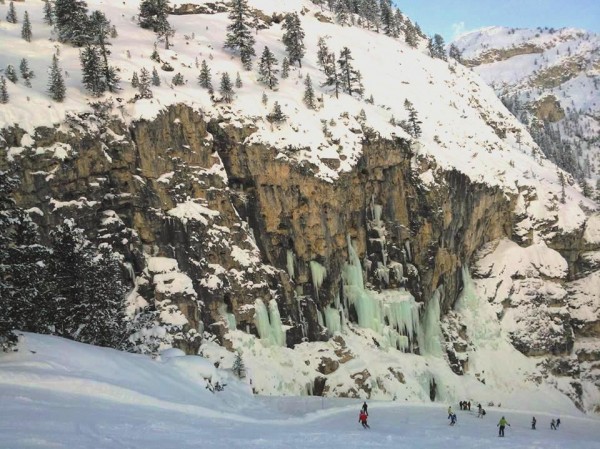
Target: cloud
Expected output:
[458,28]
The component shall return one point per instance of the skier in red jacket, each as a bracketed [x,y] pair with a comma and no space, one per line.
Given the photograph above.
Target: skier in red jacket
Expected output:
[362,418]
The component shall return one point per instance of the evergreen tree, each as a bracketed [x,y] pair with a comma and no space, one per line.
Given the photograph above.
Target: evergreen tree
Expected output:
[26,73]
[239,34]
[11,15]
[99,29]
[48,13]
[205,79]
[11,73]
[144,84]
[3,91]
[285,68]
[26,29]
[413,120]
[322,52]
[439,51]
[163,28]
[178,80]
[135,82]
[370,11]
[226,88]
[267,69]
[264,99]
[154,15]
[71,21]
[410,34]
[239,369]
[342,14]
[332,76]
[155,77]
[276,115]
[238,81]
[293,38]
[387,17]
[56,83]
[309,93]
[91,65]
[455,53]
[350,77]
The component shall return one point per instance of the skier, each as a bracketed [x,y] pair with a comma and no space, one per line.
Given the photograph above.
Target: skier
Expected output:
[533,421]
[364,408]
[449,412]
[453,419]
[553,424]
[469,405]
[362,418]
[558,423]
[502,424]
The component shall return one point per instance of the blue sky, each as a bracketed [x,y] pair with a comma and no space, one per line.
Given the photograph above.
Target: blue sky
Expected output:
[448,17]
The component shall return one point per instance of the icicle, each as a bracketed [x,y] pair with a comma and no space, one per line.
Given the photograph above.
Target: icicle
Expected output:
[229,317]
[318,273]
[332,320]
[431,326]
[290,263]
[268,322]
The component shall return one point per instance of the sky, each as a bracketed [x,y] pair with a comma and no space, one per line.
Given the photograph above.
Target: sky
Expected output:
[453,17]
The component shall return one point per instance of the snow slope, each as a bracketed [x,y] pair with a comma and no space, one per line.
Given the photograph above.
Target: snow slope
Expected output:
[56,393]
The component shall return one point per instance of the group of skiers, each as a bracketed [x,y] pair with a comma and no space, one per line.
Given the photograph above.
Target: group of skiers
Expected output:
[554,424]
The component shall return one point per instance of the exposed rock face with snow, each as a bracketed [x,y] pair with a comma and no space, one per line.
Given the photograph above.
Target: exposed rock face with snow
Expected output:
[334,249]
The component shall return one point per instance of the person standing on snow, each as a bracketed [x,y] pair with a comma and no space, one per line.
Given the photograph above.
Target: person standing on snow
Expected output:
[558,423]
[364,408]
[533,421]
[362,418]
[502,424]
[453,419]
[553,424]
[449,412]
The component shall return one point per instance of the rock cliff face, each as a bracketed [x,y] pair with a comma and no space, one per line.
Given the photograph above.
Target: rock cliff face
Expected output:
[219,233]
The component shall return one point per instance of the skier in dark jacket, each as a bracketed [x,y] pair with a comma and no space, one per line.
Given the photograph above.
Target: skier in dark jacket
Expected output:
[558,423]
[453,419]
[364,408]
[533,421]
[362,418]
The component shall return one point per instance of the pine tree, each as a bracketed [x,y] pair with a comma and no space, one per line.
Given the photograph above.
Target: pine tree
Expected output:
[293,38]
[285,68]
[276,115]
[3,91]
[238,81]
[267,69]
[350,77]
[56,83]
[155,77]
[99,29]
[264,99]
[413,120]
[205,79]
[144,84]
[48,13]
[438,47]
[332,76]
[178,80]
[410,34]
[370,11]
[135,82]
[322,52]
[11,15]
[11,74]
[387,17]
[226,88]
[239,34]
[342,14]
[26,73]
[26,29]
[71,21]
[154,15]
[91,65]
[239,368]
[309,93]
[455,53]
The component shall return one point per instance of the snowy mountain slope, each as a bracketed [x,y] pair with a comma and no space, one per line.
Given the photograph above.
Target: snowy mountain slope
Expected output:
[59,393]
[244,233]
[549,75]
